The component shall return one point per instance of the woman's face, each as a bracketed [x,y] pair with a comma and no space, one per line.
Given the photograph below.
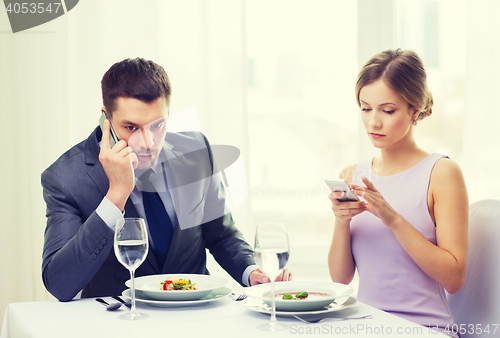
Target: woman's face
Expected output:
[386,116]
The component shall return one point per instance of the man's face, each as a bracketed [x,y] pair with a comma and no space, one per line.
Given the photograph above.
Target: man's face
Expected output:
[143,126]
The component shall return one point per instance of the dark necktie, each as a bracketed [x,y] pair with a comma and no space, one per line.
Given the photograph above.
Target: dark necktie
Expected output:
[160,225]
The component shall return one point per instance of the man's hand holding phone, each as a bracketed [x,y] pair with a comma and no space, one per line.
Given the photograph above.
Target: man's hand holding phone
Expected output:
[118,163]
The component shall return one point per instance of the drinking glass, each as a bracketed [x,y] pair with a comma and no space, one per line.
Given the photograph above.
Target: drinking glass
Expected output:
[271,255]
[131,248]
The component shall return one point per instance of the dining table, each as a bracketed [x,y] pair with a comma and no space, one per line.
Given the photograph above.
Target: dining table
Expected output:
[224,317]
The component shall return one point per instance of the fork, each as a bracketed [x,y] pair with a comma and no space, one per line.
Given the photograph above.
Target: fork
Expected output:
[313,321]
[238,297]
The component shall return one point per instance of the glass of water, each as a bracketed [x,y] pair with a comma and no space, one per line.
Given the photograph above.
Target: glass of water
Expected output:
[271,255]
[131,248]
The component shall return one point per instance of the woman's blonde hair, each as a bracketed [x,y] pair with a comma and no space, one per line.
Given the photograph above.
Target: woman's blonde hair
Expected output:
[404,72]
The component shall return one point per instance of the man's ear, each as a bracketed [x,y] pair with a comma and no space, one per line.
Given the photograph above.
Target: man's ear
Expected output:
[104,110]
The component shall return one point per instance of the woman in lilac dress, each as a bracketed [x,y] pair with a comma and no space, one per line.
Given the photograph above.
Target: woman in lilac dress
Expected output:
[408,235]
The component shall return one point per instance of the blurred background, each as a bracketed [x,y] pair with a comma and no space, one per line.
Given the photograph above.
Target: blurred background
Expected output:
[273,78]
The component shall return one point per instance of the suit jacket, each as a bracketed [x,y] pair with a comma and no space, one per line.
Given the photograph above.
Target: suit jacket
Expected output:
[78,248]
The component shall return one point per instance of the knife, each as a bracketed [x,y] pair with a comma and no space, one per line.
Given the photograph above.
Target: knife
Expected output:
[122,301]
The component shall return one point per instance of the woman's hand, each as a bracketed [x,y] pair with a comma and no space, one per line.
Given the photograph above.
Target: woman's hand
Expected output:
[344,211]
[375,203]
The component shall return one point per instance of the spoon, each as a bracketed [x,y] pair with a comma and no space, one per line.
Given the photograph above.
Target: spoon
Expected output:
[109,307]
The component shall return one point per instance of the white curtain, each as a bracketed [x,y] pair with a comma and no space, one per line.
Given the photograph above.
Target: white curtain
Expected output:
[50,97]
[481,136]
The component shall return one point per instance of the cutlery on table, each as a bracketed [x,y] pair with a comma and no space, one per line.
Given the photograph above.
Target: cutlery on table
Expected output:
[109,307]
[313,321]
[122,301]
[238,297]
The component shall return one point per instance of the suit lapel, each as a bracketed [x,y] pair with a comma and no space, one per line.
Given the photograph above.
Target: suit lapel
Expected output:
[181,174]
[95,169]
[98,176]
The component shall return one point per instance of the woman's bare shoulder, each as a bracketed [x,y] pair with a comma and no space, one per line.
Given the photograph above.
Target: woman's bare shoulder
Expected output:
[446,169]
[447,179]
[348,172]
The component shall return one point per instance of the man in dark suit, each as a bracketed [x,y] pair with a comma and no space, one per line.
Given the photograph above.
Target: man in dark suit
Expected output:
[94,184]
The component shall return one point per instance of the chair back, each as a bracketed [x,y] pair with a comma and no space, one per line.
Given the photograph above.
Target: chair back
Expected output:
[476,307]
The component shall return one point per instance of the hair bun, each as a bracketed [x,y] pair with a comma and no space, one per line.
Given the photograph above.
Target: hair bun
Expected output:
[428,108]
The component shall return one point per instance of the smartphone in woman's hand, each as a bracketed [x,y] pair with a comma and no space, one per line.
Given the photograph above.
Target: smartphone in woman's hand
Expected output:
[341,185]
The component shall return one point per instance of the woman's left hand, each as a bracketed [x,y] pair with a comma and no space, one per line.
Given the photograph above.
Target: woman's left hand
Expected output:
[376,204]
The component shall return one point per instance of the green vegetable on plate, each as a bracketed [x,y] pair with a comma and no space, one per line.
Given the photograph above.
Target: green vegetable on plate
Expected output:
[298,296]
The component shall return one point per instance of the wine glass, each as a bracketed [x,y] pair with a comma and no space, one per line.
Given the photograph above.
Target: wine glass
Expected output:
[271,255]
[131,248]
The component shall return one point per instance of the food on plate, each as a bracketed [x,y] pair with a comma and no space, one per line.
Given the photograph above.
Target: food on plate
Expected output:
[177,284]
[301,295]
[298,295]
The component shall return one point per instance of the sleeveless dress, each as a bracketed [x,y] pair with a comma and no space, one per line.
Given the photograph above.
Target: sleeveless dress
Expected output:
[389,279]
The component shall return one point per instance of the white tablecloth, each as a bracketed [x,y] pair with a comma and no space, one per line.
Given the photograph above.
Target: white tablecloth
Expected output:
[222,318]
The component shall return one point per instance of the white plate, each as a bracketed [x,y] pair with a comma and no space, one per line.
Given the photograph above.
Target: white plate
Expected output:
[257,305]
[329,290]
[150,285]
[212,296]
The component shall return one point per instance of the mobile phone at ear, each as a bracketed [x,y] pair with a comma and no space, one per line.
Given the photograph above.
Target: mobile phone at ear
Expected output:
[113,137]
[341,185]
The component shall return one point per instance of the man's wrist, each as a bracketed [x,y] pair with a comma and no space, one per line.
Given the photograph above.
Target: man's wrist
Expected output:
[117,199]
[246,274]
[109,212]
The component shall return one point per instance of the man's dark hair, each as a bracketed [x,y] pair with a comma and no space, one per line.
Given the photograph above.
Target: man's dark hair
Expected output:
[136,78]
